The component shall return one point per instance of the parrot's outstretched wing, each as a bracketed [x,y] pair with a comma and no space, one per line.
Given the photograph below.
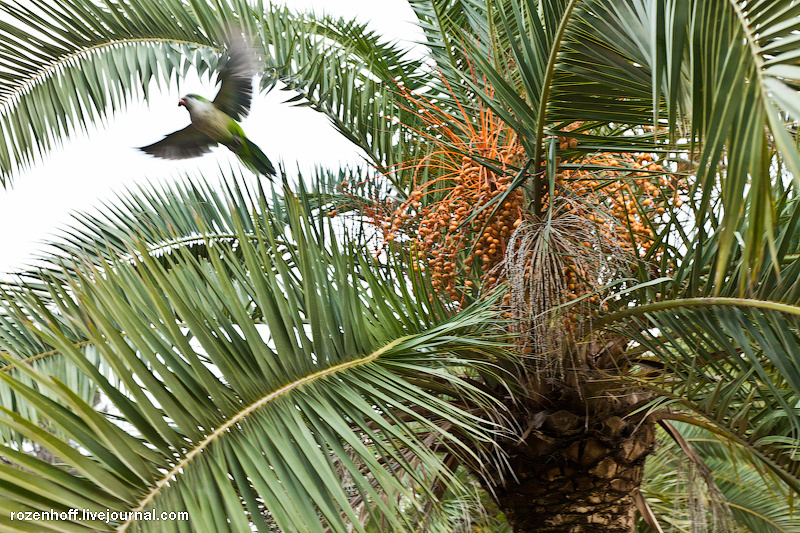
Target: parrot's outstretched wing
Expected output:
[182,144]
[236,91]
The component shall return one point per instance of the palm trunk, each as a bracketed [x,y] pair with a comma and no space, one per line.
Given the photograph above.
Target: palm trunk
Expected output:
[576,473]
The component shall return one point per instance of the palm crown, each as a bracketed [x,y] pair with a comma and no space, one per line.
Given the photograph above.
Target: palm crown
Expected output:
[581,216]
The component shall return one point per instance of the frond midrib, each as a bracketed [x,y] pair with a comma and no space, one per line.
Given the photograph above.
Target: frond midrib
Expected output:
[241,415]
[48,70]
[28,360]
[690,303]
[750,38]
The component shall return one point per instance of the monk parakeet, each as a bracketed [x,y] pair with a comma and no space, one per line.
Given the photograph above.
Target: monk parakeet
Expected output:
[215,122]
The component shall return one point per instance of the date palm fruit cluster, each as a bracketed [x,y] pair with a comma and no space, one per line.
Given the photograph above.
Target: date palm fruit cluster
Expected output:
[452,228]
[624,202]
[456,233]
[634,190]
[476,186]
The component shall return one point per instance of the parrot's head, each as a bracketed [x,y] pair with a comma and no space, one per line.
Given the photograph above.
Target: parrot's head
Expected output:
[190,100]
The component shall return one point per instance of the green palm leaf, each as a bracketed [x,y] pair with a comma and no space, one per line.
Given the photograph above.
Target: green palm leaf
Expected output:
[719,75]
[734,363]
[757,501]
[100,55]
[253,347]
[265,415]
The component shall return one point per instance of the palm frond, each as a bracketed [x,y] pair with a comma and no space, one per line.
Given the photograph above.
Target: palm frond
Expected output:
[72,64]
[732,361]
[757,500]
[265,414]
[716,76]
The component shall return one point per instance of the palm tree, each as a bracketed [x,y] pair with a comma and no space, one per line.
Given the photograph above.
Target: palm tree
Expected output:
[582,215]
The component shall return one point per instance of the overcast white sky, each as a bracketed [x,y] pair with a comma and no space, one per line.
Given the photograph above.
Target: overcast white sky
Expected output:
[94,167]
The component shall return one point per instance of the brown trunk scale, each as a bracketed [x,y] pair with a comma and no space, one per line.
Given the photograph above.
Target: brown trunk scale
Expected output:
[574,475]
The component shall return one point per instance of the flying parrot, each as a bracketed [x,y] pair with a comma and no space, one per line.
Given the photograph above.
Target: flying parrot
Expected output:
[215,122]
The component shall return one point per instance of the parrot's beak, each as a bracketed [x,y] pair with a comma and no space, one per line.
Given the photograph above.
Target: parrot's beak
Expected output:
[182,102]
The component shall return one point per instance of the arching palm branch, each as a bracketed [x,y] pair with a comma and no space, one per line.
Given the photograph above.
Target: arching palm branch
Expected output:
[693,322]
[266,386]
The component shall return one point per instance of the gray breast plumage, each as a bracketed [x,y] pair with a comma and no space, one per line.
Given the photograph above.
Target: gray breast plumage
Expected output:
[210,120]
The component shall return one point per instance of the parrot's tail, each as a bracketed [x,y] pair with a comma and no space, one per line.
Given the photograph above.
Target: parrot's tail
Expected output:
[252,156]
